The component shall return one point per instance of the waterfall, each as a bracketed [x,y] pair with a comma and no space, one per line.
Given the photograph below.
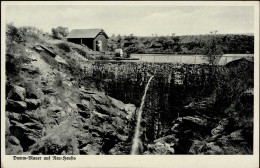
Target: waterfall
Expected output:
[136,140]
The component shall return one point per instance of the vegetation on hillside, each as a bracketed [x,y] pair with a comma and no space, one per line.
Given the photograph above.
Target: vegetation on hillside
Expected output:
[60,32]
[192,44]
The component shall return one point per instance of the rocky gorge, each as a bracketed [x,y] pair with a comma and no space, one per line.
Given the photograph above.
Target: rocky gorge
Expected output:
[184,110]
[179,115]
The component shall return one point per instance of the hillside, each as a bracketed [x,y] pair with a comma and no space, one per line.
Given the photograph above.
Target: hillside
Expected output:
[50,107]
[192,44]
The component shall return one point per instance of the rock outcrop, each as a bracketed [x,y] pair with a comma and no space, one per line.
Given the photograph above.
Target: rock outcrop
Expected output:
[93,123]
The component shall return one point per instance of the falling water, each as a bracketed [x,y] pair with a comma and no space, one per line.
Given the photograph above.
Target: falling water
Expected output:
[136,140]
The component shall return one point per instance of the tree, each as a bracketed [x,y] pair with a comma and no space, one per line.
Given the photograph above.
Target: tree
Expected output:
[213,51]
[60,32]
[119,38]
[13,33]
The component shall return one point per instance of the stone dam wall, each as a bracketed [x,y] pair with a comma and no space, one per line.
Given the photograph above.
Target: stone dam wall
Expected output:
[173,87]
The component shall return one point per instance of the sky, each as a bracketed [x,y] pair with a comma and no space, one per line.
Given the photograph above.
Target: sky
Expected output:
[137,20]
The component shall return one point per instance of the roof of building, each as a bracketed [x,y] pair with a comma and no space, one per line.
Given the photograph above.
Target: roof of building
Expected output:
[85,33]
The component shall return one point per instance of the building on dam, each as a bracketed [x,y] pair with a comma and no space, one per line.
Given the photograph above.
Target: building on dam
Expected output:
[95,39]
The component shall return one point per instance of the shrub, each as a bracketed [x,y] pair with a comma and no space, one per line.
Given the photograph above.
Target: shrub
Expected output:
[64,46]
[233,81]
[15,57]
[16,49]
[13,33]
[103,57]
[30,34]
[60,32]
[81,52]
[74,68]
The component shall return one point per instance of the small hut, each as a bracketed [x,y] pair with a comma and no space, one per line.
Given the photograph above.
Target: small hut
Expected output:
[95,39]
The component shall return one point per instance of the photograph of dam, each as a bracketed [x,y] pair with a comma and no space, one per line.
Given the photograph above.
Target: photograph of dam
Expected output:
[129,80]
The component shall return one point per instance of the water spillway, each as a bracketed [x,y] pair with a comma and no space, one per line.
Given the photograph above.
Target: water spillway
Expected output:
[136,140]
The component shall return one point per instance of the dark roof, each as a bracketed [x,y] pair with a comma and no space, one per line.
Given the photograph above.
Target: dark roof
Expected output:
[85,33]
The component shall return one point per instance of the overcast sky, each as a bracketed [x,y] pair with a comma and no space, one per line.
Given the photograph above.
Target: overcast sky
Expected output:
[139,20]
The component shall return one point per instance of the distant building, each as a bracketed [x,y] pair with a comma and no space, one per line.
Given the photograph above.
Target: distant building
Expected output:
[119,52]
[95,39]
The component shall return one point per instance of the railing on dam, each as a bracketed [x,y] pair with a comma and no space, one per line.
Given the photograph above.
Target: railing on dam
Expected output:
[187,59]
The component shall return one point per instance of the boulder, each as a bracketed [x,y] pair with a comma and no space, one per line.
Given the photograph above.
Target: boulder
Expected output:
[13,140]
[55,109]
[16,106]
[48,90]
[99,115]
[202,147]
[17,93]
[167,139]
[118,122]
[121,148]
[108,127]
[195,119]
[103,109]
[213,149]
[96,129]
[34,125]
[30,69]
[87,103]
[60,60]
[15,116]
[25,117]
[83,90]
[13,149]
[85,114]
[32,94]
[32,104]
[7,124]
[176,127]
[223,124]
[25,135]
[38,48]
[117,103]
[101,98]
[122,138]
[160,148]
[117,112]
[90,149]
[237,135]
[130,110]
[85,96]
